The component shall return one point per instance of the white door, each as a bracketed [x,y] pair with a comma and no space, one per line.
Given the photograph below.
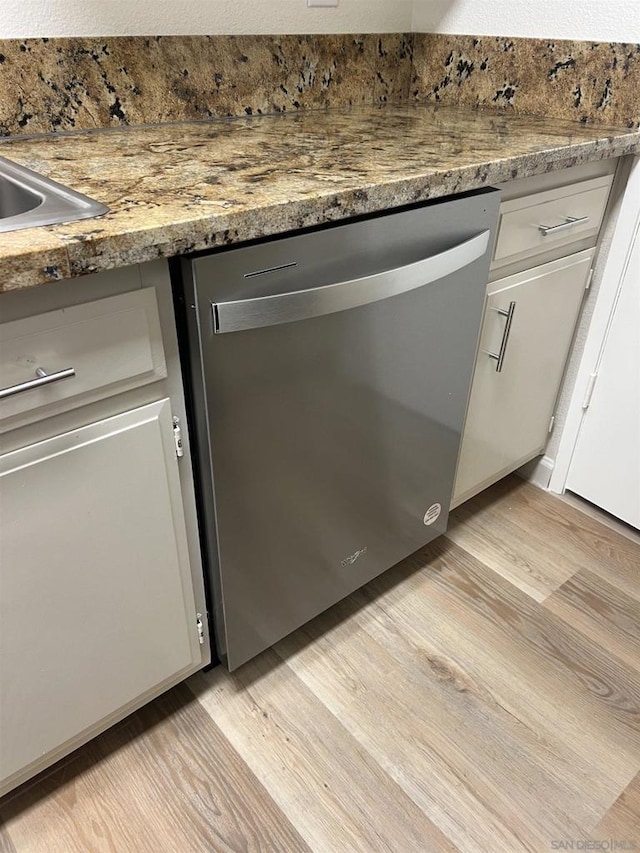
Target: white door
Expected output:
[96,598]
[605,468]
[510,409]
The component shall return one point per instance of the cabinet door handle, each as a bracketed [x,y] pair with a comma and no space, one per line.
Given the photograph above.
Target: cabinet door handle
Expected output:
[569,222]
[42,378]
[505,335]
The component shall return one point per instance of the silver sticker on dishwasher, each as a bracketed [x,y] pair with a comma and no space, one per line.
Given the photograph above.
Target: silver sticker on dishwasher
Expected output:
[350,560]
[432,514]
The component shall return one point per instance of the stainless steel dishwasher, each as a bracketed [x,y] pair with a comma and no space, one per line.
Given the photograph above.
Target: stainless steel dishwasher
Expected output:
[329,373]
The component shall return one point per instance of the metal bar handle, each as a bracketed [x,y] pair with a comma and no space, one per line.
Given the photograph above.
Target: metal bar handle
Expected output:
[505,335]
[243,314]
[42,378]
[569,222]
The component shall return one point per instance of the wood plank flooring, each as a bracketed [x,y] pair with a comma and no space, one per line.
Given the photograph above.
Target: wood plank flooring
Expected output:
[167,779]
[482,696]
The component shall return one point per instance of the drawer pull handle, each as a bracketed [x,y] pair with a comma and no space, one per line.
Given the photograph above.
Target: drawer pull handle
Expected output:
[569,222]
[42,378]
[508,313]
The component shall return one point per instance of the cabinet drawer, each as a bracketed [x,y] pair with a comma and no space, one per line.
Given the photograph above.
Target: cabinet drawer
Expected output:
[547,220]
[78,355]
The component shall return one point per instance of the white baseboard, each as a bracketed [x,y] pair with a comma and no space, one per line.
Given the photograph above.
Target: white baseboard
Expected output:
[538,471]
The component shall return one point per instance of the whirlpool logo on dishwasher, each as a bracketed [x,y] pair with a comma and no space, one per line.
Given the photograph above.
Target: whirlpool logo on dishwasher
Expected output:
[349,561]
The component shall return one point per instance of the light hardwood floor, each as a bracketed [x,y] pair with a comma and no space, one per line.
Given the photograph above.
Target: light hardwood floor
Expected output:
[482,696]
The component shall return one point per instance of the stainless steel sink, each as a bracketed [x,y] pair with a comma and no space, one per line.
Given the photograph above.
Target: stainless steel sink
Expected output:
[28,199]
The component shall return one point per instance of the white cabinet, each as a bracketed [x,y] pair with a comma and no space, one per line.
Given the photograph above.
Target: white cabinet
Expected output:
[547,238]
[512,400]
[97,606]
[101,591]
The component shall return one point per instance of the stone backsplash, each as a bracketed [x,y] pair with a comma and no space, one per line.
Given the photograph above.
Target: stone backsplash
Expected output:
[574,80]
[62,84]
[81,83]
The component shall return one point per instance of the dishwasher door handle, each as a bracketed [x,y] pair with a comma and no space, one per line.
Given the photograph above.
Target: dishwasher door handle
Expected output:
[236,316]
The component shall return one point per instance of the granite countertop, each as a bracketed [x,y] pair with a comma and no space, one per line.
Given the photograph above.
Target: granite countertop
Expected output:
[182,187]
